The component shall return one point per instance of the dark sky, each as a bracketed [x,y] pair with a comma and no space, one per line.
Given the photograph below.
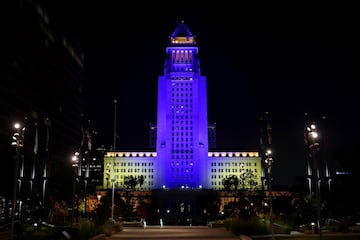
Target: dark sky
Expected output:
[284,59]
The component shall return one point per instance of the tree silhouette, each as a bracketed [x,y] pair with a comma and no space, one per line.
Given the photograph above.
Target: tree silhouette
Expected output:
[130,182]
[231,183]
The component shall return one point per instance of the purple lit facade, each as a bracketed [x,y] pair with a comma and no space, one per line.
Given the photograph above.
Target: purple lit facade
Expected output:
[182,125]
[182,136]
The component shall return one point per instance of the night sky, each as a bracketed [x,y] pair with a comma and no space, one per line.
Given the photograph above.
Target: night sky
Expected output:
[281,59]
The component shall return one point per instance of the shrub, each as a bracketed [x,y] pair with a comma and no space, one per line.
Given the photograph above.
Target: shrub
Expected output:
[227,224]
[236,227]
[117,227]
[251,227]
[87,229]
[107,228]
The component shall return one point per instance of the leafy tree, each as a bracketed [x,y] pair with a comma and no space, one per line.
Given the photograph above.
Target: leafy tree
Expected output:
[141,180]
[130,182]
[209,205]
[250,179]
[231,183]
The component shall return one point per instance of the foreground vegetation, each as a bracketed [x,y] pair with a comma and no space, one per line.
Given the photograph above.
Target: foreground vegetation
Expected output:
[313,237]
[83,230]
[260,229]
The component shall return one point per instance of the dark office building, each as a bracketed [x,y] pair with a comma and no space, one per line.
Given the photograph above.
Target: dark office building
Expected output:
[41,66]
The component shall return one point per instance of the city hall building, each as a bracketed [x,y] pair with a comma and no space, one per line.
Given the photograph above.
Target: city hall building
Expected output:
[182,159]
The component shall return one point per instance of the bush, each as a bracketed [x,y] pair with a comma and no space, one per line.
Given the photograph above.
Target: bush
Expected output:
[236,227]
[251,227]
[36,235]
[87,229]
[227,224]
[117,227]
[107,228]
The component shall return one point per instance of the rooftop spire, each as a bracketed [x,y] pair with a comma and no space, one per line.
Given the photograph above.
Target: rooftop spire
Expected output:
[182,35]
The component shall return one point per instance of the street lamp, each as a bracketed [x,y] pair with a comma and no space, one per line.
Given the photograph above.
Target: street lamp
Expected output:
[99,198]
[312,141]
[112,200]
[113,179]
[108,176]
[75,165]
[107,173]
[18,143]
[268,161]
[242,176]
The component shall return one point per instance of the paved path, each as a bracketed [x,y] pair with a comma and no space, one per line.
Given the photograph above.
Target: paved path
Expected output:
[155,232]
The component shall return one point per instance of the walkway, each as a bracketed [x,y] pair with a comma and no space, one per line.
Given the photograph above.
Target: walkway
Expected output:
[174,232]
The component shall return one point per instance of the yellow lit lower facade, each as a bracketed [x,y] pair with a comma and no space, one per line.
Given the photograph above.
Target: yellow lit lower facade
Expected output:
[246,166]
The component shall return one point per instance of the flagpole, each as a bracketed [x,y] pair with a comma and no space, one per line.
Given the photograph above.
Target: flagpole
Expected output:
[113,174]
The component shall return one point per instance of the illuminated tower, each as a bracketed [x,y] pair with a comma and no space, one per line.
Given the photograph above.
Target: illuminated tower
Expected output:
[182,125]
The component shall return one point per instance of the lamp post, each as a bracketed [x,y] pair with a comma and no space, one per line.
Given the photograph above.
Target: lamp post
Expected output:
[113,172]
[108,176]
[313,145]
[242,176]
[18,143]
[75,165]
[107,172]
[98,198]
[112,200]
[268,161]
